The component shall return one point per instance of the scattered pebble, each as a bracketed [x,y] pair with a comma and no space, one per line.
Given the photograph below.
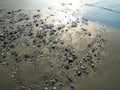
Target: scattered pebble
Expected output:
[39,38]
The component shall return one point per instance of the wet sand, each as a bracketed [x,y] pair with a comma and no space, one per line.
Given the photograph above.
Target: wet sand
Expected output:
[107,75]
[42,53]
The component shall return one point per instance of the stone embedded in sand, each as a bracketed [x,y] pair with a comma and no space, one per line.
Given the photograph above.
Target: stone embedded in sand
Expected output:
[74,56]
[70,60]
[52,32]
[35,17]
[30,34]
[72,86]
[83,67]
[89,34]
[18,60]
[49,26]
[8,46]
[14,53]
[9,12]
[89,45]
[23,87]
[84,21]
[38,10]
[46,88]
[67,49]
[61,26]
[74,24]
[92,65]
[26,56]
[52,81]
[69,79]
[67,66]
[54,88]
[79,73]
[38,45]
[60,84]
[12,76]
[89,57]
[83,29]
[5,63]
[93,50]
[18,10]
[37,25]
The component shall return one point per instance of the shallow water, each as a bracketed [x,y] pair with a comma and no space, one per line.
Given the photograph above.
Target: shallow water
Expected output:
[94,13]
[104,16]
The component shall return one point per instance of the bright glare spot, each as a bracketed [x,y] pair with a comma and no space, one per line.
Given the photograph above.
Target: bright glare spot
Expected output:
[75,3]
[65,17]
[65,9]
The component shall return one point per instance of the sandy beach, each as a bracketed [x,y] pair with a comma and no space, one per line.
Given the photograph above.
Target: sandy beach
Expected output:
[40,52]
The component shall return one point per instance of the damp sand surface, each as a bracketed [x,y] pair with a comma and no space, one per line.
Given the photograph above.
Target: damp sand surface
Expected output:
[107,75]
[42,53]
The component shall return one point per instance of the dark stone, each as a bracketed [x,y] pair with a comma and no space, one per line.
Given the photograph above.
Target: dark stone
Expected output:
[8,12]
[36,16]
[53,47]
[83,29]
[90,62]
[3,56]
[67,50]
[61,26]
[52,32]
[89,34]
[94,49]
[5,43]
[27,56]
[34,42]
[95,55]
[30,34]
[70,61]
[38,10]
[12,38]
[38,45]
[50,26]
[89,57]
[70,79]
[72,86]
[79,73]
[2,38]
[85,59]
[8,46]
[74,56]
[99,58]
[37,25]
[67,66]
[92,65]
[74,24]
[89,45]
[26,18]
[14,53]
[18,60]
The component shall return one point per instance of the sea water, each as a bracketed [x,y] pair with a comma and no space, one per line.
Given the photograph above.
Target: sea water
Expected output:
[106,12]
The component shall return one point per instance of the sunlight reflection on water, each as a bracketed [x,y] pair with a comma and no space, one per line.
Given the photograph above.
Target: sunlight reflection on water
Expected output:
[100,15]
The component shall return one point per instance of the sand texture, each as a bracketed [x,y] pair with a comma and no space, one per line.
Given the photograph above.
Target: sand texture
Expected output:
[39,52]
